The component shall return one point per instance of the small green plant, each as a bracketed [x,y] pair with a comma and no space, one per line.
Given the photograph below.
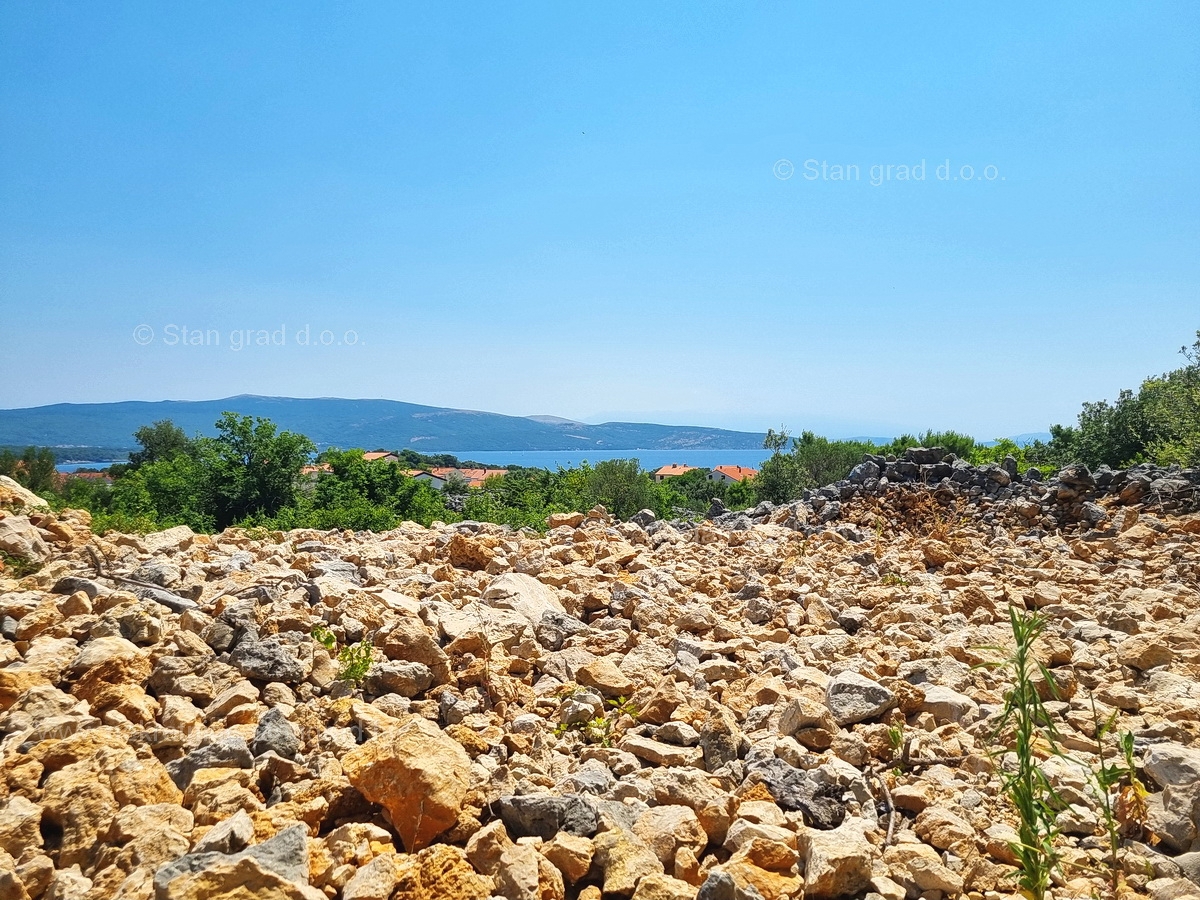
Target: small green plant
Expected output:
[356,660]
[893,580]
[324,637]
[1132,811]
[17,566]
[1026,728]
[599,729]
[1107,777]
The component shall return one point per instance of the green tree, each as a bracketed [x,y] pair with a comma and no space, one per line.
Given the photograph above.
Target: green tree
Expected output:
[1160,423]
[961,445]
[169,492]
[1172,409]
[252,469]
[621,486]
[33,469]
[456,485]
[779,478]
[821,461]
[162,440]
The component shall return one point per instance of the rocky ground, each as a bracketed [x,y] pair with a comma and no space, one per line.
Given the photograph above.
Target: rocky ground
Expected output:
[781,704]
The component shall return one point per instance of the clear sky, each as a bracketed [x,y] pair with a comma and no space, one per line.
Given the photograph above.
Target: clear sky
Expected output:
[603,210]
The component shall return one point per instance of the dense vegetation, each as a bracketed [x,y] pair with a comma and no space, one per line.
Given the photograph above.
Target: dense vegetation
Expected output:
[251,474]
[1160,423]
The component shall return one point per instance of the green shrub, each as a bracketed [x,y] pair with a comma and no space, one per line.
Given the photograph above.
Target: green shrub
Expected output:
[355,660]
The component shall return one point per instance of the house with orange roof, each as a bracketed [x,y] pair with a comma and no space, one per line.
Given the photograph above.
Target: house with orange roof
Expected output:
[381,456]
[671,471]
[730,474]
[474,477]
[438,476]
[437,482]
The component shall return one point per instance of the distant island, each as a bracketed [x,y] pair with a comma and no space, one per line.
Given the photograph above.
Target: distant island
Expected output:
[336,422]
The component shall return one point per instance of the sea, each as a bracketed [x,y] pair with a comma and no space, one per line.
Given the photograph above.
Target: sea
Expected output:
[647,459]
[76,466]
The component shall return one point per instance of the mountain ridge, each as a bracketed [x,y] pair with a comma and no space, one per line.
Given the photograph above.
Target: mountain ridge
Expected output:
[353,422]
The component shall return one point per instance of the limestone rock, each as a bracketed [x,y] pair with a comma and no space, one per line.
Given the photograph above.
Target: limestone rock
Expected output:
[407,639]
[518,870]
[1143,652]
[667,828]
[468,553]
[942,828]
[625,859]
[919,868]
[1176,769]
[837,862]
[855,698]
[417,774]
[523,594]
[20,824]
[19,538]
[16,496]
[440,872]
[663,887]
[947,705]
[172,539]
[570,854]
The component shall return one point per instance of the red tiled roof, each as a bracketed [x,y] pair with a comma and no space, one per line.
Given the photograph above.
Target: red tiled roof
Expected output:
[673,469]
[474,477]
[379,454]
[737,473]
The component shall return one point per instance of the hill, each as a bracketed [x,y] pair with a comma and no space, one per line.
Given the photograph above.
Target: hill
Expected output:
[332,421]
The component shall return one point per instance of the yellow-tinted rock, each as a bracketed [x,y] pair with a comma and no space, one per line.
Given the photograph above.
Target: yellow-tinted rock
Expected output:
[440,872]
[417,774]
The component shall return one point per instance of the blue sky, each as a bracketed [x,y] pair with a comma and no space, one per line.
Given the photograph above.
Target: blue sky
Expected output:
[602,211]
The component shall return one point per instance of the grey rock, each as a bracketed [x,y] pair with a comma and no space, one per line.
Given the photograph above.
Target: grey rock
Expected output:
[643,517]
[72,583]
[544,816]
[286,854]
[158,571]
[229,836]
[227,751]
[555,627]
[855,698]
[267,660]
[821,804]
[408,679]
[1176,769]
[679,733]
[336,568]
[275,733]
[593,777]
[720,886]
[1189,865]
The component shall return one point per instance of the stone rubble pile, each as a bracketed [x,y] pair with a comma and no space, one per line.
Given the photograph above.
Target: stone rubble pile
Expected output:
[608,710]
[996,492]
